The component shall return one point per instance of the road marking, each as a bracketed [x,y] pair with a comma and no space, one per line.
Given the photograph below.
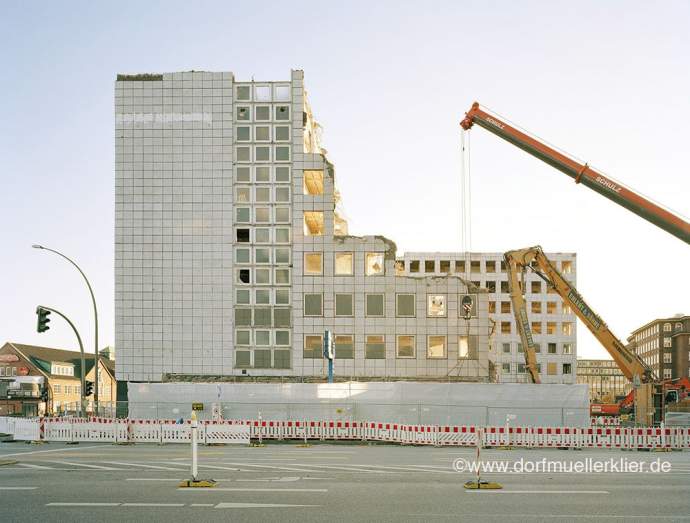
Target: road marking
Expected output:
[51,450]
[152,505]
[260,505]
[155,479]
[292,469]
[99,467]
[285,479]
[65,504]
[201,504]
[18,488]
[32,466]
[347,468]
[141,465]
[417,469]
[228,489]
[538,491]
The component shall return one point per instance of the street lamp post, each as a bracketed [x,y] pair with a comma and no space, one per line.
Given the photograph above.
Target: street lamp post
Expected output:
[95,321]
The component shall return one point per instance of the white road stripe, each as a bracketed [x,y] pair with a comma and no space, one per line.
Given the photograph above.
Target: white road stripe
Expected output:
[260,505]
[417,469]
[156,479]
[18,488]
[538,491]
[51,450]
[229,489]
[201,504]
[99,467]
[65,504]
[152,505]
[269,467]
[347,468]
[32,466]
[142,465]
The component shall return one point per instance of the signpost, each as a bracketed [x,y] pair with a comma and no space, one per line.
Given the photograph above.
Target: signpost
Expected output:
[329,353]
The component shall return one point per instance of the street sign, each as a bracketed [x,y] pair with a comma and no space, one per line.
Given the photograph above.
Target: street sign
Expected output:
[197,406]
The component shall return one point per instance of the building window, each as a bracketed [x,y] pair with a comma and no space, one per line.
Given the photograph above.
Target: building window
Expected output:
[536,307]
[519,348]
[281,255]
[506,348]
[374,304]
[282,214]
[243,134]
[537,348]
[505,368]
[667,327]
[475,266]
[242,235]
[444,266]
[459,266]
[566,267]
[262,133]
[282,296]
[282,133]
[436,347]
[262,296]
[281,359]
[505,307]
[505,327]
[668,374]
[551,368]
[281,317]
[282,174]
[551,347]
[668,358]
[243,317]
[567,329]
[243,113]
[505,289]
[262,276]
[343,264]
[429,266]
[667,342]
[282,153]
[550,327]
[262,337]
[282,194]
[535,287]
[405,305]
[375,348]
[262,317]
[536,327]
[242,358]
[262,93]
[282,93]
[414,266]
[436,305]
[313,304]
[467,347]
[262,255]
[262,113]
[242,255]
[313,223]
[242,215]
[313,347]
[282,276]
[550,307]
[405,347]
[344,347]
[344,305]
[282,235]
[243,276]
[57,388]
[521,368]
[373,264]
[242,93]
[283,112]
[313,263]
[490,285]
[492,307]
[282,338]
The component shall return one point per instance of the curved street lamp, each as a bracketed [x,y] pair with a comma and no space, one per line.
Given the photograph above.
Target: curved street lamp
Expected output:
[95,320]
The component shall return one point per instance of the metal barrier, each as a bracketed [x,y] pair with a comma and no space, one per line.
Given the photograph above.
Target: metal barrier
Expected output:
[241,431]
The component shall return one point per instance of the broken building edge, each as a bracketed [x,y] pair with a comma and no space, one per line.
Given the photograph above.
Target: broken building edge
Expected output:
[232,255]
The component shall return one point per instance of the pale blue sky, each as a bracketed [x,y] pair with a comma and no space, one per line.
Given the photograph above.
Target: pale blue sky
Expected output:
[389,81]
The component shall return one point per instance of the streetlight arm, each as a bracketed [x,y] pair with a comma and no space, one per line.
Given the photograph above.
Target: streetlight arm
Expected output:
[95,318]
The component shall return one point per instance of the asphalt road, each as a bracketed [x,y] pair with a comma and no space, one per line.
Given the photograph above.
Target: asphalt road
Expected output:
[346,482]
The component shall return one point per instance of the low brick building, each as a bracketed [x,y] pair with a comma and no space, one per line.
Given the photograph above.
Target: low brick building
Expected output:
[29,375]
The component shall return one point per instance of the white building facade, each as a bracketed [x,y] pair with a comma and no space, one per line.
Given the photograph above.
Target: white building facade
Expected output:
[232,260]
[553,322]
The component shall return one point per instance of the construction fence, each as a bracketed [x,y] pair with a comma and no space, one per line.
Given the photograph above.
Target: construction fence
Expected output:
[110,430]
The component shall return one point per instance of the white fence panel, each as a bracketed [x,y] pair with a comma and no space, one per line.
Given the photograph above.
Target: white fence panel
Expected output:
[57,429]
[7,425]
[27,429]
[233,432]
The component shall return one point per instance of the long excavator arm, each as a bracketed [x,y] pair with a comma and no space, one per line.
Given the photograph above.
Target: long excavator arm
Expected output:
[581,173]
[517,262]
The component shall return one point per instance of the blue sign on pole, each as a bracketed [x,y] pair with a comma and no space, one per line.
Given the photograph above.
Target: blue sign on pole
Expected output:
[329,353]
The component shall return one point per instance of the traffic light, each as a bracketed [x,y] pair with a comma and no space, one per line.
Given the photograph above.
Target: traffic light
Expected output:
[88,388]
[43,319]
[44,394]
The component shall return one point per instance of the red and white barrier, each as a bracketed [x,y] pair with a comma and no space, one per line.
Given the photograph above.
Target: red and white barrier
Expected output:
[240,431]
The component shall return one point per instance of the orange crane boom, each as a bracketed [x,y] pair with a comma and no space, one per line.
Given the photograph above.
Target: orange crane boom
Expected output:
[581,173]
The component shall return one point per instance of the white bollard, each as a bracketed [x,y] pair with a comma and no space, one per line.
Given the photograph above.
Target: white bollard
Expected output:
[195,426]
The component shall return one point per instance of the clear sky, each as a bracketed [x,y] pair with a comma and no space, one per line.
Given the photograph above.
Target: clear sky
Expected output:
[389,82]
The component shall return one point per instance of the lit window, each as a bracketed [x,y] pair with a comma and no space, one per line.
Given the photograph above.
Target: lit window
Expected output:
[505,307]
[567,329]
[467,347]
[313,223]
[242,194]
[436,305]
[313,347]
[505,327]
[343,264]
[551,368]
[550,327]
[536,307]
[436,347]
[566,267]
[375,348]
[405,347]
[536,327]
[313,182]
[373,264]
[313,263]
[551,307]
